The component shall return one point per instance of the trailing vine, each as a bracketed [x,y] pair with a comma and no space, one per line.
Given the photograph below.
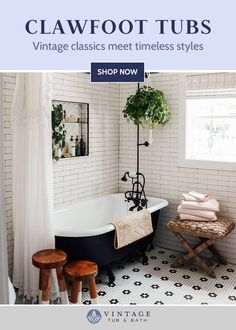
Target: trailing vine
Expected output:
[58,130]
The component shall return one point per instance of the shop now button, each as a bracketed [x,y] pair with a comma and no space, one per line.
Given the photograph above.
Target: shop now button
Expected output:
[117,72]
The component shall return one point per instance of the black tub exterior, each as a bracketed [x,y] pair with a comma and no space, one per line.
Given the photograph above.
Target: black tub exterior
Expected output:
[100,248]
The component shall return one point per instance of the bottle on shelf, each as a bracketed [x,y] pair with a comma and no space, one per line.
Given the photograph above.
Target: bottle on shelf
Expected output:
[77,146]
[65,149]
[82,146]
[68,144]
[72,146]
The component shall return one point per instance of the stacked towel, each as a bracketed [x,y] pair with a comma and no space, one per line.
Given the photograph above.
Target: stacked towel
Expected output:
[197,206]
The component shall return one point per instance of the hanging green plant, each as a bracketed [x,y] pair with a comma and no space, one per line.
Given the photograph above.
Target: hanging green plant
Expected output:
[58,131]
[147,107]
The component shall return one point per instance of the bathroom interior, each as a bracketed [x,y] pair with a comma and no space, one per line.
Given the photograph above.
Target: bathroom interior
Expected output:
[108,168]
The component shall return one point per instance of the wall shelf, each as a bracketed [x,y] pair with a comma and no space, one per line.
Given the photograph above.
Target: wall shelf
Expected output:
[75,122]
[76,126]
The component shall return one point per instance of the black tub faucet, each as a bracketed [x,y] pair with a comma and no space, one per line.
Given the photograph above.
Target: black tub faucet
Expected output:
[137,194]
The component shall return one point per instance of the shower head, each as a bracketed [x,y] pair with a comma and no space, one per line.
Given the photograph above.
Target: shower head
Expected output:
[124,177]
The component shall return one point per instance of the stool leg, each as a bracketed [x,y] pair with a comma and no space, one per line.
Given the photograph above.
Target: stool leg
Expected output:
[44,286]
[93,291]
[188,256]
[62,286]
[40,296]
[40,286]
[216,253]
[194,253]
[76,292]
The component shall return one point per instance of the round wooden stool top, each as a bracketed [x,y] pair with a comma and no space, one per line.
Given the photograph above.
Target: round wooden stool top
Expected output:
[50,258]
[81,270]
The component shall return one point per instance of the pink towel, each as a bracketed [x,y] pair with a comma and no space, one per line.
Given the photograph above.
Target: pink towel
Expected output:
[199,196]
[210,205]
[190,198]
[198,213]
[194,217]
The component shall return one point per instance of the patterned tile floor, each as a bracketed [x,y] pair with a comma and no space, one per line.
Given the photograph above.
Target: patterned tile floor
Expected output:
[157,283]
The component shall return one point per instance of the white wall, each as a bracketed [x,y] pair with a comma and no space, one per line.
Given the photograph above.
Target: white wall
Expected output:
[96,174]
[159,164]
[8,87]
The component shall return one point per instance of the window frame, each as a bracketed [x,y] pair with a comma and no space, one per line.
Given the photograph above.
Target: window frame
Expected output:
[182,131]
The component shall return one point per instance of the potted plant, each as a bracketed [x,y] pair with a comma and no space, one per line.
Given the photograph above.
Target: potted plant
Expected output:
[147,108]
[58,131]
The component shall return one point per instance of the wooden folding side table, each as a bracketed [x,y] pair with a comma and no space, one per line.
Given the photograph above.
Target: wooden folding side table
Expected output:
[208,232]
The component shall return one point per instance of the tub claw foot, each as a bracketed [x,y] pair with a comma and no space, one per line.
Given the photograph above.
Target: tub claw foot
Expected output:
[111,276]
[151,247]
[145,258]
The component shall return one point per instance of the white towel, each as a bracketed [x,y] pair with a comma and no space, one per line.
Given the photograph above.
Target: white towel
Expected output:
[210,205]
[190,198]
[198,213]
[201,197]
[194,217]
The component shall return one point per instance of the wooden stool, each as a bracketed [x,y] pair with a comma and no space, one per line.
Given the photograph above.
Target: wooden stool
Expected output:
[208,232]
[46,260]
[79,271]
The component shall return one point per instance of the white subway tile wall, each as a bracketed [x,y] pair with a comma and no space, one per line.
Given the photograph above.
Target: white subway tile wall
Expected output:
[8,88]
[96,174]
[158,163]
[113,151]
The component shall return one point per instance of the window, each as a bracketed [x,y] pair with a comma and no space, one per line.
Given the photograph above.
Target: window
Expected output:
[208,136]
[211,129]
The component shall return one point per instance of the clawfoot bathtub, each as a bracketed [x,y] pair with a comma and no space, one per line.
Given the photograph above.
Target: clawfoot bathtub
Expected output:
[84,231]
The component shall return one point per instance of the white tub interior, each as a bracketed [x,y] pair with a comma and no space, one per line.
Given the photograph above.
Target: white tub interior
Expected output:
[93,217]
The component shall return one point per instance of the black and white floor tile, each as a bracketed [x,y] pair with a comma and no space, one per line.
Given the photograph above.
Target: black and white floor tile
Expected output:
[157,283]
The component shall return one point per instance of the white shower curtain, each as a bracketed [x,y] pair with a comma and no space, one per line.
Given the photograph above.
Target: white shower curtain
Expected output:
[32,177]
